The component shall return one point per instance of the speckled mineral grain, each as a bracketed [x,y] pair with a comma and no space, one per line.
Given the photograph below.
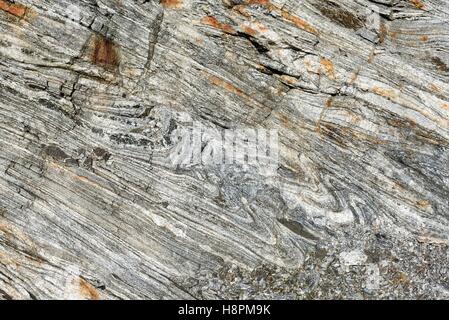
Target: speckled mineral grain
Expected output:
[215,149]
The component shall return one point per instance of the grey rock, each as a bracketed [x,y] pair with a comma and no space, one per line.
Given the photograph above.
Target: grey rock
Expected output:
[96,98]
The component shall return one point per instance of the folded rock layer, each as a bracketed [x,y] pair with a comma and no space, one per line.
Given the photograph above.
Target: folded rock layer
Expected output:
[99,199]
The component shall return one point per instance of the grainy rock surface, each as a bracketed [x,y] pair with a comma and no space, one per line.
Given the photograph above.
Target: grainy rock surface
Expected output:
[93,94]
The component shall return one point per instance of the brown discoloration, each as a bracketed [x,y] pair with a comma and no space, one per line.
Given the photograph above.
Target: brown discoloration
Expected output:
[440,64]
[6,230]
[17,238]
[285,120]
[254,28]
[340,16]
[423,203]
[262,68]
[11,232]
[336,134]
[387,93]
[213,22]
[87,290]
[353,78]
[78,178]
[383,32]
[309,67]
[434,88]
[249,31]
[352,135]
[7,260]
[171,4]
[199,40]
[260,27]
[418,4]
[371,57]
[402,123]
[241,10]
[424,38]
[289,80]
[355,119]
[105,52]
[298,22]
[393,35]
[367,138]
[328,67]
[263,2]
[401,278]
[55,152]
[445,106]
[15,9]
[226,85]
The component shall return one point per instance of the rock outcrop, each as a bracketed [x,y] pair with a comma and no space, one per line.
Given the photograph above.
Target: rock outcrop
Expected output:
[99,201]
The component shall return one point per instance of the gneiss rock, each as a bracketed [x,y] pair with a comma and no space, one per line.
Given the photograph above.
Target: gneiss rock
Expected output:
[99,200]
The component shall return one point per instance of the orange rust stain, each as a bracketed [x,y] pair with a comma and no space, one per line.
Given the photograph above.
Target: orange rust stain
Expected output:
[226,85]
[255,27]
[445,106]
[15,9]
[329,68]
[105,52]
[250,31]
[418,4]
[288,79]
[264,2]
[87,290]
[423,203]
[214,23]
[172,4]
[424,38]
[300,23]
[387,93]
[63,171]
[260,27]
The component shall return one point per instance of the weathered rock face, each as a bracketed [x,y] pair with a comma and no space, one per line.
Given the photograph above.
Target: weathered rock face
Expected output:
[95,95]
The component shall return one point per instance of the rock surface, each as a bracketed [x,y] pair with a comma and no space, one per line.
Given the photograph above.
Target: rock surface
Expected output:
[94,94]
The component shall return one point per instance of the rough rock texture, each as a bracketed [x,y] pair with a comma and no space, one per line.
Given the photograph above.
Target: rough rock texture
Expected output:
[93,93]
